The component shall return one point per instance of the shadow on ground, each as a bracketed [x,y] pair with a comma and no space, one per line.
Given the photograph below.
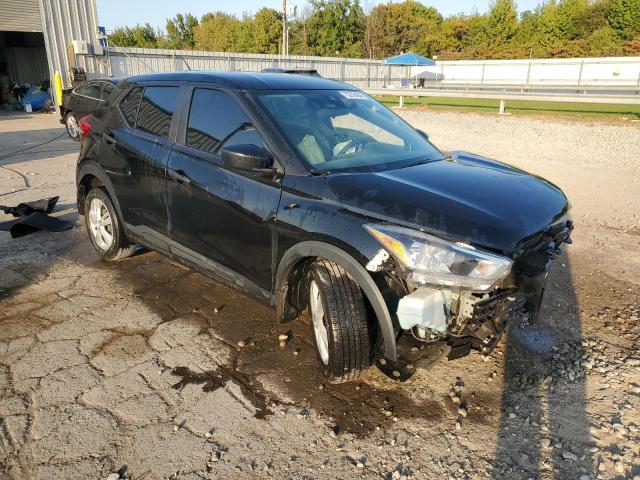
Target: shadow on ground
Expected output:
[551,434]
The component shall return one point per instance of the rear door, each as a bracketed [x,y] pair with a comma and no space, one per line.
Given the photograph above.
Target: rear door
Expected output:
[136,155]
[221,220]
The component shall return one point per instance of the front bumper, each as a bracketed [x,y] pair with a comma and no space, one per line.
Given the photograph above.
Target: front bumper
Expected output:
[481,333]
[521,293]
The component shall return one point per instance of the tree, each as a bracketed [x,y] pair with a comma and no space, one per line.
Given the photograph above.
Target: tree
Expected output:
[503,22]
[573,16]
[396,27]
[624,18]
[267,31]
[336,27]
[549,25]
[141,36]
[299,33]
[217,32]
[556,28]
[180,31]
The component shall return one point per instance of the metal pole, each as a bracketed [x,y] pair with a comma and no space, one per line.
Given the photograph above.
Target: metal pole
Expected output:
[284,27]
[502,105]
[580,74]
[401,101]
[484,64]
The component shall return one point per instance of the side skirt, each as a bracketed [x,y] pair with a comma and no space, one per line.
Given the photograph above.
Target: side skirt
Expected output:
[198,262]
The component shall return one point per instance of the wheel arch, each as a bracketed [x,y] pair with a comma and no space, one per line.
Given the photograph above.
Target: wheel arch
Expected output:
[299,256]
[86,178]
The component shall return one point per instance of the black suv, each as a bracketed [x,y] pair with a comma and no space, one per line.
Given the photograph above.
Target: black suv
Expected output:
[311,196]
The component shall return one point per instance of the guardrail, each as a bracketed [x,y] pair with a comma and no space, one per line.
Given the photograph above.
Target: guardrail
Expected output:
[568,87]
[504,96]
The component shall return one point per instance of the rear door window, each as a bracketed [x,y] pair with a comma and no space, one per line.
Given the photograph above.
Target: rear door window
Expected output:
[129,105]
[107,88]
[89,89]
[213,118]
[156,110]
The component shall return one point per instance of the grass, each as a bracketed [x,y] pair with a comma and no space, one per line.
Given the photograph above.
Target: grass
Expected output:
[521,107]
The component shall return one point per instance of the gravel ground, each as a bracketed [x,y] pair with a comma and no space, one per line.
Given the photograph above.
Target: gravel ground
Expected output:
[145,369]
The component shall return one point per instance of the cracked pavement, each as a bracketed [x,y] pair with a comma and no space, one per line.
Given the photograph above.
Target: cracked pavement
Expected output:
[138,363]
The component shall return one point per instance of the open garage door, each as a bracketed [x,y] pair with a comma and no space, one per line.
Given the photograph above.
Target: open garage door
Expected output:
[23,56]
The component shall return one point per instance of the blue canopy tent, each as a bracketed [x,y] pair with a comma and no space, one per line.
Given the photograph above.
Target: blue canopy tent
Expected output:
[409,59]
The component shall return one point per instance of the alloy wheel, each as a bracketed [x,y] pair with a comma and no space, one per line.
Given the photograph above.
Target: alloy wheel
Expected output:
[317,317]
[100,224]
[72,126]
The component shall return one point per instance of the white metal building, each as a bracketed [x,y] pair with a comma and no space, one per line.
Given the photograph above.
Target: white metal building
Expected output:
[40,37]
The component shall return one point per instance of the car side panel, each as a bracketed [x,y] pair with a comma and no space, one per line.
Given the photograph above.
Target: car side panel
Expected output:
[305,214]
[136,165]
[228,217]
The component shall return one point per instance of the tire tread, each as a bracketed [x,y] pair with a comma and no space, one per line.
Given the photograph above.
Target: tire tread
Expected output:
[347,318]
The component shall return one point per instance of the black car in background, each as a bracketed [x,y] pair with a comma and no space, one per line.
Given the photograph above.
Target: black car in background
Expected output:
[312,197]
[82,100]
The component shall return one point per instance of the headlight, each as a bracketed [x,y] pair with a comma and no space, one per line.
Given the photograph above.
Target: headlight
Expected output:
[433,261]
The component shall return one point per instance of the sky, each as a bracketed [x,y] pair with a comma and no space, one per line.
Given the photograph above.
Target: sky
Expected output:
[115,13]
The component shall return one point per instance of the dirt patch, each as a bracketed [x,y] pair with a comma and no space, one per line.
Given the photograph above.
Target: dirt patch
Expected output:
[213,380]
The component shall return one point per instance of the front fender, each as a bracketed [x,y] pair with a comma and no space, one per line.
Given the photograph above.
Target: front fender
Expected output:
[332,253]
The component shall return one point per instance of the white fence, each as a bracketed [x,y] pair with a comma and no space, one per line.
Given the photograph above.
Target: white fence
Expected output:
[361,73]
[606,71]
[603,72]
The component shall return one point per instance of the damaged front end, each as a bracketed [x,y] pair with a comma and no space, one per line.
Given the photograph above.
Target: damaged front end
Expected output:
[453,298]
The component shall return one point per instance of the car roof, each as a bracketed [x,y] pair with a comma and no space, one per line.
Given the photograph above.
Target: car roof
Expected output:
[247,80]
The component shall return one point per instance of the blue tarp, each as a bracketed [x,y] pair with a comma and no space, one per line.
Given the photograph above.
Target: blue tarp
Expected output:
[36,98]
[408,58]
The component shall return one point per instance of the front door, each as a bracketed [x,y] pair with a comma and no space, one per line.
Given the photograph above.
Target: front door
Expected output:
[221,220]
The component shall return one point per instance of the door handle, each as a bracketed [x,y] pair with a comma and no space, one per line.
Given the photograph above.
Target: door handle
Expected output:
[180,176]
[110,139]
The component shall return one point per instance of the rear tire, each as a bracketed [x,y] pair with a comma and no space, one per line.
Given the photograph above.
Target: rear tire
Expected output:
[72,126]
[103,227]
[339,318]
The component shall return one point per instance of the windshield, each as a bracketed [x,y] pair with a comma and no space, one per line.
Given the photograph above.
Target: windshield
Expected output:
[346,130]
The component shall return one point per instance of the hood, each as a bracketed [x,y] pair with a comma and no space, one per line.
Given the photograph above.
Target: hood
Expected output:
[467,197]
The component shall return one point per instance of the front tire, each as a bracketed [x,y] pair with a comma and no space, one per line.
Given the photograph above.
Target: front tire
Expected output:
[103,227]
[339,317]
[72,126]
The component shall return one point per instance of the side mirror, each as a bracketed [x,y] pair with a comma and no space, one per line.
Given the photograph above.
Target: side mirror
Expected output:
[247,157]
[423,133]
